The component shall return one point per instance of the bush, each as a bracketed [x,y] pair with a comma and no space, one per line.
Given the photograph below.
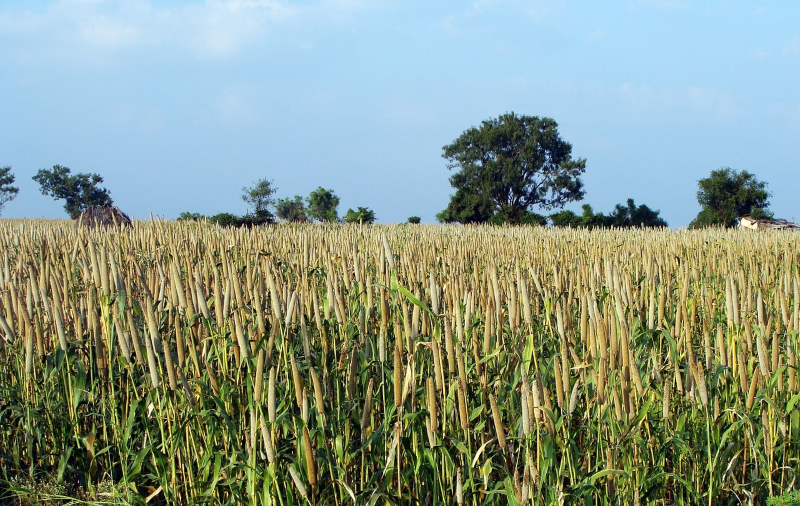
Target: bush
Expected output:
[187,216]
[248,220]
[225,220]
[255,220]
[361,215]
[787,499]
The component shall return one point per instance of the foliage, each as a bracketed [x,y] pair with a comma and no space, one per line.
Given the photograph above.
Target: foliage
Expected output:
[7,192]
[226,220]
[292,210]
[255,220]
[187,216]
[466,207]
[727,195]
[235,221]
[322,204]
[260,196]
[527,218]
[362,215]
[79,190]
[415,220]
[625,216]
[568,218]
[508,165]
[632,216]
[788,499]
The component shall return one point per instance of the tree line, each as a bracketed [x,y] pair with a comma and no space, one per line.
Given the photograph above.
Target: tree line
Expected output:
[320,206]
[512,165]
[505,170]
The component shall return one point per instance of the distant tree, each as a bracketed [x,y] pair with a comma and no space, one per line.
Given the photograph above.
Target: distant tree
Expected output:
[362,215]
[79,191]
[633,216]
[591,219]
[292,210]
[625,216]
[727,195]
[322,204]
[466,207]
[566,218]
[707,217]
[527,218]
[226,220]
[249,220]
[254,220]
[260,196]
[416,220]
[508,165]
[588,218]
[7,192]
[187,216]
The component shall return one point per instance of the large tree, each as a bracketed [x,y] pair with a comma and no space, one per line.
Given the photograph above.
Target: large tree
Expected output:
[727,195]
[7,192]
[78,190]
[322,205]
[508,165]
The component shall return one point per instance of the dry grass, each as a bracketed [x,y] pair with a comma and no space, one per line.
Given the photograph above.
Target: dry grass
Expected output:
[606,366]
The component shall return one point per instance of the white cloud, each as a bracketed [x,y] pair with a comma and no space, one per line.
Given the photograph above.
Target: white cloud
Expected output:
[407,112]
[793,47]
[449,24]
[668,5]
[597,35]
[760,54]
[694,102]
[537,9]
[463,18]
[212,29]
[235,108]
[107,32]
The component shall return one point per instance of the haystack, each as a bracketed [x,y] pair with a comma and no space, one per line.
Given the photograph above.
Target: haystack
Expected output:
[103,216]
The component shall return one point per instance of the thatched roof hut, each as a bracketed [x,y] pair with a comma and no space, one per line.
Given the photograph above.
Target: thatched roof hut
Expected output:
[103,216]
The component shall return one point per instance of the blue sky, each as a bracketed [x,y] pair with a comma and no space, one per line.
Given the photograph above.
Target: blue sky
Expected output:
[179,104]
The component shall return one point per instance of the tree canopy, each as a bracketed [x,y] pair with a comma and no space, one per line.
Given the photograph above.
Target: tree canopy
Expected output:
[79,190]
[362,215]
[623,216]
[293,210]
[190,216]
[508,165]
[322,205]
[7,192]
[588,219]
[726,195]
[260,196]
[631,215]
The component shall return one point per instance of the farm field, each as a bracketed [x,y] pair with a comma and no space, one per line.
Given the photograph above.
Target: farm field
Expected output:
[311,364]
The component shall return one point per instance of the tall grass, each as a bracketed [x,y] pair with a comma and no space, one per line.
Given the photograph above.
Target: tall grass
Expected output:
[379,364]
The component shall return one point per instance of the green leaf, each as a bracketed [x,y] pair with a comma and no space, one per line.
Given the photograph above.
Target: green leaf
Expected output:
[410,296]
[791,403]
[607,472]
